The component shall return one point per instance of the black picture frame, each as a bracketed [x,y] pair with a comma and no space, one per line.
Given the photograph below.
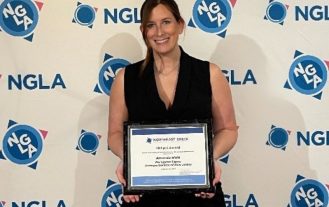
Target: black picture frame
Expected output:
[135,189]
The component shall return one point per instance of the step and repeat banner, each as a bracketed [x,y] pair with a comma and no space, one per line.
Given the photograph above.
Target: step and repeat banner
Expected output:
[58,60]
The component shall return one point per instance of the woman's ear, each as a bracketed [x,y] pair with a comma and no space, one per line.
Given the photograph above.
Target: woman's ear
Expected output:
[181,26]
[141,28]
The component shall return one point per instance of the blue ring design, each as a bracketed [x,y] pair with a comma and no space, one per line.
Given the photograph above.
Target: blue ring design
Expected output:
[30,29]
[323,69]
[283,139]
[88,135]
[35,134]
[309,182]
[85,8]
[279,7]
[228,8]
[106,87]
[112,188]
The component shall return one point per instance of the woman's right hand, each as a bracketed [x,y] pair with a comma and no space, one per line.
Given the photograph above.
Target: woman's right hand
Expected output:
[126,198]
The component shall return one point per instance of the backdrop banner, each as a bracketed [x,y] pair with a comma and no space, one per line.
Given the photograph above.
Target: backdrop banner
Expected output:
[58,60]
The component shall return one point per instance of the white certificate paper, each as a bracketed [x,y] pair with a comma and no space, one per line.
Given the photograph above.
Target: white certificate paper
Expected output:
[168,156]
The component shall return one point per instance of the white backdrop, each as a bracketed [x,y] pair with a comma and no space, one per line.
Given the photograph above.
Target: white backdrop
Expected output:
[54,106]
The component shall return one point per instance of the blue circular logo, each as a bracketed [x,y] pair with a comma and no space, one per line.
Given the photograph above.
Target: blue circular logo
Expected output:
[108,72]
[113,196]
[276,12]
[18,17]
[212,16]
[84,15]
[88,142]
[309,193]
[22,144]
[308,75]
[278,137]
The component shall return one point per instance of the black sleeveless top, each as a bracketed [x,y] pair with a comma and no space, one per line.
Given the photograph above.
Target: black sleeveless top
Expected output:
[192,101]
[192,97]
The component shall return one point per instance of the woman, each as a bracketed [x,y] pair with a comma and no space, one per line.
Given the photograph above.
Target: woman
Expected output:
[171,85]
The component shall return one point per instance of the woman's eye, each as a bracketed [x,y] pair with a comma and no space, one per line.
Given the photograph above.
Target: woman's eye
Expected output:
[166,22]
[149,26]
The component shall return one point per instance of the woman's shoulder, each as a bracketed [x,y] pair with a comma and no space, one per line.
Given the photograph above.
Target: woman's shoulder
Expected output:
[214,67]
[206,67]
[198,63]
[216,75]
[215,70]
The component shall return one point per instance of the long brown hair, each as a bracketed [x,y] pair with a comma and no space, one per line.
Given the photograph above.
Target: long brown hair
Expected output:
[145,13]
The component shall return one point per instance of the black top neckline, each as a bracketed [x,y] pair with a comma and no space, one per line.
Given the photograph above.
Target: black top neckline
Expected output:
[182,84]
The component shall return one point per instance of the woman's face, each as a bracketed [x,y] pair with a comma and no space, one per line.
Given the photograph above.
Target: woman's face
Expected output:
[163,30]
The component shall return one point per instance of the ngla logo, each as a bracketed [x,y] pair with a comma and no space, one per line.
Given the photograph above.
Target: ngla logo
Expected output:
[235,77]
[84,15]
[19,17]
[113,195]
[278,137]
[276,12]
[121,15]
[34,82]
[235,201]
[88,142]
[22,144]
[309,192]
[111,66]
[212,16]
[312,12]
[36,203]
[313,138]
[307,75]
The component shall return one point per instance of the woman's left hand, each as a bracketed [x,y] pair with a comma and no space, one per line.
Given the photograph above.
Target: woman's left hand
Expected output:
[216,180]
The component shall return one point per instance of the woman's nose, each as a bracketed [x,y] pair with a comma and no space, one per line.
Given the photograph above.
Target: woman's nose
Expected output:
[159,30]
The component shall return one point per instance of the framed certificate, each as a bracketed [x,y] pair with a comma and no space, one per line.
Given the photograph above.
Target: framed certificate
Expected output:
[174,157]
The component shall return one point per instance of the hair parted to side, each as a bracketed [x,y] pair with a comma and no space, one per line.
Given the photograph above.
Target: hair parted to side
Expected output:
[145,14]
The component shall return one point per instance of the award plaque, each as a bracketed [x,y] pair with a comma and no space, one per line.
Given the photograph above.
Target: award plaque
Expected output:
[171,157]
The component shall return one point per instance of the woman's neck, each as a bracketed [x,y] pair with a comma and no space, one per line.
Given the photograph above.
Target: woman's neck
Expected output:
[167,63]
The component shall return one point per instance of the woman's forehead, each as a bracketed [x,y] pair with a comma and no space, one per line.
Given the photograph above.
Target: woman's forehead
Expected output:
[160,12]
